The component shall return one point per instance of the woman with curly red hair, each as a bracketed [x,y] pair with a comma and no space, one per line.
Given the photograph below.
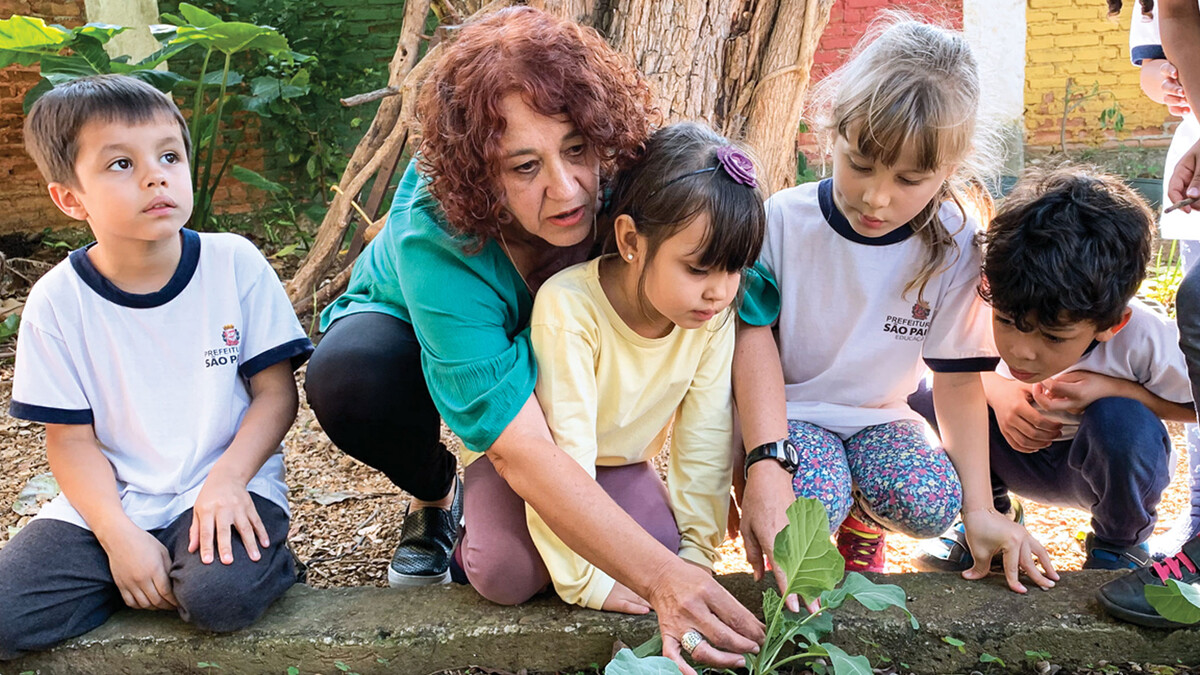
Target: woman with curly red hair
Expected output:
[525,117]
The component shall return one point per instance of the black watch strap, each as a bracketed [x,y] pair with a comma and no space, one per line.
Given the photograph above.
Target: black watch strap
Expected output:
[781,451]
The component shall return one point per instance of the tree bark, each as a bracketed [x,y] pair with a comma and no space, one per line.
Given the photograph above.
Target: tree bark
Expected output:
[740,65]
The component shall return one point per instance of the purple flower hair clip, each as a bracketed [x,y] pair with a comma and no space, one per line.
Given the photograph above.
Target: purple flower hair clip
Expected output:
[738,165]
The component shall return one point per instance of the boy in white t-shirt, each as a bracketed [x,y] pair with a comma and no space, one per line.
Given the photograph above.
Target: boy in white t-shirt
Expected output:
[1088,373]
[161,362]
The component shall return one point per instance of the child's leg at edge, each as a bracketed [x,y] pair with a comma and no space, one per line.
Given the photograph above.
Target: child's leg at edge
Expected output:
[823,473]
[1187,309]
[222,598]
[55,584]
[903,482]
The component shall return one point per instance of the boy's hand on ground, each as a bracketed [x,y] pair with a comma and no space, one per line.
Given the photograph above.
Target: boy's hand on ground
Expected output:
[988,532]
[140,567]
[1023,426]
[222,505]
[685,598]
[1073,392]
[621,599]
[765,501]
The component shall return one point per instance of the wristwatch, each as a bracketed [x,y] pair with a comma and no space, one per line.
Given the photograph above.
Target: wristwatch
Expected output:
[781,451]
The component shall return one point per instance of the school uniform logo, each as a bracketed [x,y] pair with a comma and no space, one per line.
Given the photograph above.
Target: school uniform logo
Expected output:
[903,328]
[227,355]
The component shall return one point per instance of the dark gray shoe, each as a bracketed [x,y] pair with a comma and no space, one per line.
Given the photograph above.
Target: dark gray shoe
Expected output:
[426,542]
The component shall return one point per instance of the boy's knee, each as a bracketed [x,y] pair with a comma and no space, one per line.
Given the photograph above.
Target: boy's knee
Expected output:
[920,515]
[221,598]
[1125,432]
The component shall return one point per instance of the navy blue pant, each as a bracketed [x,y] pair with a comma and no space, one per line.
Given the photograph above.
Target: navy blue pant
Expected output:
[55,581]
[1115,468]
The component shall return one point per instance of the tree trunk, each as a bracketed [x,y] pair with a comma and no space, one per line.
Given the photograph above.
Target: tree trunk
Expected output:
[740,65]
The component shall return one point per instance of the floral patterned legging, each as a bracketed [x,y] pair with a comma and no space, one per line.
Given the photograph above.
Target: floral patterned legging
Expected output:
[890,471]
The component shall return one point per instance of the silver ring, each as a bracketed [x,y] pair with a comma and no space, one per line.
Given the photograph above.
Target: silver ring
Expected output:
[690,640]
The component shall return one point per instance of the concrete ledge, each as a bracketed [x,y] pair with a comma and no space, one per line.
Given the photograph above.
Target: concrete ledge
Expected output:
[431,629]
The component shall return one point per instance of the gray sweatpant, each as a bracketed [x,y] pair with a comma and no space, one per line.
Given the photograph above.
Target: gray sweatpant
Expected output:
[55,581]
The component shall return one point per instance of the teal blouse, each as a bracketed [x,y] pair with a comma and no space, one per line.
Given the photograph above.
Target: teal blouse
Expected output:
[470,312]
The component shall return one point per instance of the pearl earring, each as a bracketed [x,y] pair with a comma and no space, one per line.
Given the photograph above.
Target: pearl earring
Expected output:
[630,256]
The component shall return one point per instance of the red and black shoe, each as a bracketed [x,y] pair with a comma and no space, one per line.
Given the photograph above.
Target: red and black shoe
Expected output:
[862,545]
[1125,598]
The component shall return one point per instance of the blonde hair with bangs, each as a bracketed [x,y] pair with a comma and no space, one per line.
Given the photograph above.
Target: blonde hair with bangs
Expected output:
[912,85]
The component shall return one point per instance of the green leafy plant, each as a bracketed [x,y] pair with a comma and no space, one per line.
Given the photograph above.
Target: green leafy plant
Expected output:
[1075,97]
[1176,601]
[65,54]
[988,658]
[956,643]
[813,566]
[1037,655]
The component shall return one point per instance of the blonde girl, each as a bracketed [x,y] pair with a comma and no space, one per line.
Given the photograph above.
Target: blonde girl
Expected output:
[867,279]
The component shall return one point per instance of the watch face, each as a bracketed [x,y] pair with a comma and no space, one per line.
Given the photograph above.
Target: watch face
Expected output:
[790,453]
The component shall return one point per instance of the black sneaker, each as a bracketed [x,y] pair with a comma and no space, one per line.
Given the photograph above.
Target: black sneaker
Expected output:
[1125,598]
[949,551]
[1102,556]
[426,541]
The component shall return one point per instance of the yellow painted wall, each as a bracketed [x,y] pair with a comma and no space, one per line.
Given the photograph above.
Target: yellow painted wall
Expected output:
[1075,39]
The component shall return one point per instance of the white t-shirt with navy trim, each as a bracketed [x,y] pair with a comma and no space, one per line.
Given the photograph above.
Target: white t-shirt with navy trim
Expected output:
[162,377]
[1145,351]
[853,344]
[1145,43]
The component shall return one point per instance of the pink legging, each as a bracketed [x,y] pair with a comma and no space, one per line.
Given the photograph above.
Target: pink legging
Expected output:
[496,550]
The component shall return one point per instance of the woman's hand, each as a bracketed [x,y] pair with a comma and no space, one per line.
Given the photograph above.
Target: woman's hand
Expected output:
[1185,179]
[685,598]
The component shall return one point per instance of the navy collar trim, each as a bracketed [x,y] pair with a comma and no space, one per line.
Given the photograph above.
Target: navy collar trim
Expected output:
[189,259]
[842,226]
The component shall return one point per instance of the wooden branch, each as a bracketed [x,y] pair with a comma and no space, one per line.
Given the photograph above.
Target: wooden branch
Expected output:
[360,99]
[366,158]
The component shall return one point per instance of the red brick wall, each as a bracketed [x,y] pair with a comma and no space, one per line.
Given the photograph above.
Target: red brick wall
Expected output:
[849,19]
[24,204]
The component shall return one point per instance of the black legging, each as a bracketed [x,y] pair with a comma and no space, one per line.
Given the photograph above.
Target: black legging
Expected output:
[366,387]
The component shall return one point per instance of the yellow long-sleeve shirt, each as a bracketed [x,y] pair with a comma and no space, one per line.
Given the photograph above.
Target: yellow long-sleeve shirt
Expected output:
[610,396]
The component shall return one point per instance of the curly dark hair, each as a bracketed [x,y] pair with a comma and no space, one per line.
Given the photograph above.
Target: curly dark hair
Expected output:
[559,68]
[1068,244]
[1114,6]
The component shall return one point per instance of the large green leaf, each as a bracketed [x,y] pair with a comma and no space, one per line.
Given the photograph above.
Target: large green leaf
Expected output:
[625,663]
[1175,601]
[231,37]
[198,17]
[869,594]
[34,94]
[804,552]
[844,664]
[162,80]
[101,32]
[32,35]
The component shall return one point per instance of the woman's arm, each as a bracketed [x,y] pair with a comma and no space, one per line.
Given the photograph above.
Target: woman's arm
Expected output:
[576,508]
